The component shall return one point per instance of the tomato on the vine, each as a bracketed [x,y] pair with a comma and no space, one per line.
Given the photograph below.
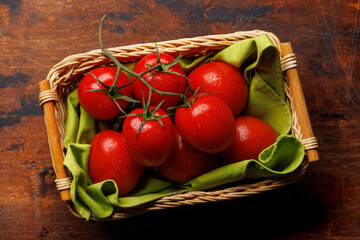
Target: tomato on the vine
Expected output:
[162,80]
[154,143]
[97,103]
[252,136]
[186,162]
[208,125]
[223,80]
[110,159]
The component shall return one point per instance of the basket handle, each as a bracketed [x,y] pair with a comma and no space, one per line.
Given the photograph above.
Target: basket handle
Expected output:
[53,135]
[300,104]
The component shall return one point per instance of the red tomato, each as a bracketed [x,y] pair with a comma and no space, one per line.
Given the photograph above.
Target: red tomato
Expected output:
[252,136]
[167,82]
[209,125]
[154,144]
[110,159]
[99,104]
[222,80]
[186,162]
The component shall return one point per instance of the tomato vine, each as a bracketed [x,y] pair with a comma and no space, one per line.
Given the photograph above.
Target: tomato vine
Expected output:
[113,92]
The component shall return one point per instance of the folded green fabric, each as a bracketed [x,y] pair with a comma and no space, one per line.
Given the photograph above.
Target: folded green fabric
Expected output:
[281,158]
[260,61]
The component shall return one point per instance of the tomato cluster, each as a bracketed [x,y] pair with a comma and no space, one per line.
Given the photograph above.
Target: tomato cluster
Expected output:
[182,125]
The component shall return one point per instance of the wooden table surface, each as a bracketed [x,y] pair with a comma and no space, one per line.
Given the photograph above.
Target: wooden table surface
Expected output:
[35,35]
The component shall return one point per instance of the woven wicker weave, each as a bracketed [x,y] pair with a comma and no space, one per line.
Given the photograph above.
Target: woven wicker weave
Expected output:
[65,76]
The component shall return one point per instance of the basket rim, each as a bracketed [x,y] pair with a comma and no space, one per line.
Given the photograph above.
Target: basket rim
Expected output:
[164,45]
[74,64]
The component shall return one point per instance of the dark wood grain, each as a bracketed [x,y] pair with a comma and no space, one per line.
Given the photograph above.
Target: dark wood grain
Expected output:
[35,35]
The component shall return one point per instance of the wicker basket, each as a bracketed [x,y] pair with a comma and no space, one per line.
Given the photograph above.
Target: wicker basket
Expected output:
[65,76]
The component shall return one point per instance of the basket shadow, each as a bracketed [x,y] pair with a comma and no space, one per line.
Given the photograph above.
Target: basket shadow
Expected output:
[266,215]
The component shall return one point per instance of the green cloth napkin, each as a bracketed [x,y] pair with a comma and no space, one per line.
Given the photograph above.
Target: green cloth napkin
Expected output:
[259,59]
